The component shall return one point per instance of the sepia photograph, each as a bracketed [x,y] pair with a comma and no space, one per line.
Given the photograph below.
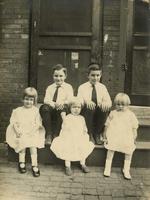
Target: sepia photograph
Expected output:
[74,99]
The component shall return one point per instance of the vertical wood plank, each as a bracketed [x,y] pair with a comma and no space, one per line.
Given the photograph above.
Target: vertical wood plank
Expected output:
[129,50]
[96,52]
[122,43]
[34,43]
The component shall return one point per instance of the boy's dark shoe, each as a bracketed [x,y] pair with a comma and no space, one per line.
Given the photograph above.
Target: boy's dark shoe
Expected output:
[35,171]
[48,140]
[68,171]
[85,169]
[98,141]
[22,167]
[92,139]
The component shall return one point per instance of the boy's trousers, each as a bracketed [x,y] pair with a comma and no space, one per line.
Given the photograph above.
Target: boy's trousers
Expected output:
[51,119]
[95,121]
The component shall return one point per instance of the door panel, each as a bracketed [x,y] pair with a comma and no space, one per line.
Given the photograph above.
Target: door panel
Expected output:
[141,73]
[137,83]
[59,15]
[67,32]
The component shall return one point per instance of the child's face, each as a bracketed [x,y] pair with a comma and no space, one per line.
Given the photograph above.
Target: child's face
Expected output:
[94,76]
[28,102]
[59,76]
[76,109]
[121,107]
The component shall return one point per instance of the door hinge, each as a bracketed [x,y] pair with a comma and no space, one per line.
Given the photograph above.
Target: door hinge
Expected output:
[124,67]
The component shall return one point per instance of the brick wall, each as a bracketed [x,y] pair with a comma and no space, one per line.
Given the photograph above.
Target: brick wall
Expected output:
[111,28]
[14,44]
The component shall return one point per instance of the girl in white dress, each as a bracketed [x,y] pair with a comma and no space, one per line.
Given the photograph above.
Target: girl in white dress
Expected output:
[73,142]
[26,131]
[120,133]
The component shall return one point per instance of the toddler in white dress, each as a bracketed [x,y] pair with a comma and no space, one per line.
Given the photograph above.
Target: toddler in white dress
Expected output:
[26,131]
[73,142]
[120,133]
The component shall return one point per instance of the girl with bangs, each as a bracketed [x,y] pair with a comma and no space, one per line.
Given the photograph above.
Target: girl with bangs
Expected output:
[26,131]
[120,133]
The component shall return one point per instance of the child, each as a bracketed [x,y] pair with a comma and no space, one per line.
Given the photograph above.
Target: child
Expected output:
[120,133]
[96,102]
[73,143]
[55,104]
[26,130]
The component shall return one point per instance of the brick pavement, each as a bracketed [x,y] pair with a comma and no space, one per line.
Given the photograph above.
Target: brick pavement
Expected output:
[53,184]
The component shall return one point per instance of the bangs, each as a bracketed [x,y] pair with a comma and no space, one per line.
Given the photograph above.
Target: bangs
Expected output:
[74,101]
[122,99]
[31,92]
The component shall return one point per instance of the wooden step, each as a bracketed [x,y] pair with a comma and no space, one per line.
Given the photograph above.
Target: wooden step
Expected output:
[143,145]
[143,114]
[141,156]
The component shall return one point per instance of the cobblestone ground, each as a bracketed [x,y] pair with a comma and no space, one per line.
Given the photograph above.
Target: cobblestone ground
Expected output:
[53,184]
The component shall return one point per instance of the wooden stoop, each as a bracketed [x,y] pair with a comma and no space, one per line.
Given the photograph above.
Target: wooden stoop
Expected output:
[141,157]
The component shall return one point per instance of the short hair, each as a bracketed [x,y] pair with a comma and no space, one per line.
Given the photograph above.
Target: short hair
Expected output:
[122,98]
[60,67]
[30,92]
[94,67]
[75,100]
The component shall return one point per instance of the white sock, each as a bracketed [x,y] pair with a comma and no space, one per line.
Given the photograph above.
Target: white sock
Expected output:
[34,159]
[67,163]
[82,162]
[22,157]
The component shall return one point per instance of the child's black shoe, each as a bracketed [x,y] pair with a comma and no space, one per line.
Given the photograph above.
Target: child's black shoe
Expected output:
[22,167]
[35,171]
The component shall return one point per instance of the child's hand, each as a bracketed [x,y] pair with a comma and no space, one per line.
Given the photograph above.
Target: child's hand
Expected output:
[17,130]
[59,106]
[63,115]
[90,105]
[105,140]
[105,106]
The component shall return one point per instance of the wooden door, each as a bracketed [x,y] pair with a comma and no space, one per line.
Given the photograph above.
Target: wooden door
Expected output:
[66,32]
[137,78]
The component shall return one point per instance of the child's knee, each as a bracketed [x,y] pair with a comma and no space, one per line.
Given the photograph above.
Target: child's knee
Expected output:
[45,108]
